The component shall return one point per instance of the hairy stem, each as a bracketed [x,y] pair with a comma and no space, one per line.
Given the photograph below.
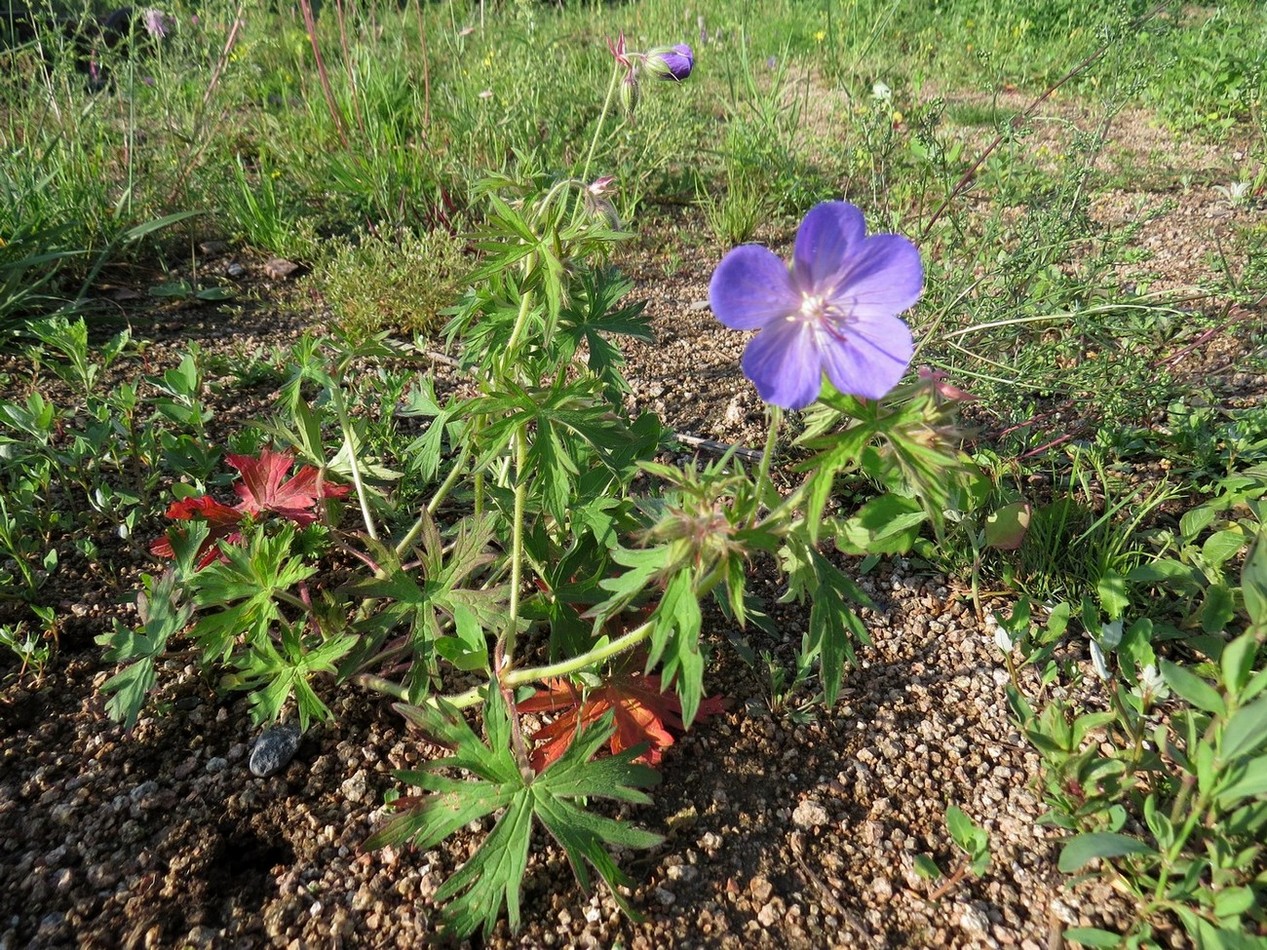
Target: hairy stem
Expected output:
[516,549]
[771,440]
[441,493]
[598,128]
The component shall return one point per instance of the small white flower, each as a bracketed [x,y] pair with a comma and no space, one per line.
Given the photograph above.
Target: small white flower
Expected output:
[882,92]
[1098,661]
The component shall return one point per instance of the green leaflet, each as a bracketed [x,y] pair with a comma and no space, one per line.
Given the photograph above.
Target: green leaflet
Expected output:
[475,894]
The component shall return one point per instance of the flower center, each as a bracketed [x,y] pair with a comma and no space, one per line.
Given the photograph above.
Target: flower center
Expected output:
[813,307]
[819,310]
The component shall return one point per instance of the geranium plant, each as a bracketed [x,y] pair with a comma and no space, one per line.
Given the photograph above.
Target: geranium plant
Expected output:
[538,553]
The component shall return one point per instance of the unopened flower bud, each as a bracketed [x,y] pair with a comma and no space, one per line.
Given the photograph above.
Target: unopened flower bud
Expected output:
[935,380]
[671,62]
[597,203]
[629,93]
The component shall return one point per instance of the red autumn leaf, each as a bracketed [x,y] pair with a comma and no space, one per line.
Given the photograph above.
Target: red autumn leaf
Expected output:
[262,489]
[262,492]
[644,712]
[223,521]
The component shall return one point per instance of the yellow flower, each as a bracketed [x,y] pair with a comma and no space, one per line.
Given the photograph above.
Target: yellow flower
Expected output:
[820,35]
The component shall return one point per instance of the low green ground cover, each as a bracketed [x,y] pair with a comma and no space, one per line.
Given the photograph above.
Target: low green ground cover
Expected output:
[472,179]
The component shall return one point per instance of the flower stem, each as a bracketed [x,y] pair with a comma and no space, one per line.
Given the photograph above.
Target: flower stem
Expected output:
[441,493]
[382,685]
[516,549]
[598,129]
[530,674]
[771,439]
[521,320]
[345,424]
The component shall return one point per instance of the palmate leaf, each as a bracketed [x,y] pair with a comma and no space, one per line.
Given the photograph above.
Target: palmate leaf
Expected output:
[423,602]
[275,675]
[264,490]
[645,715]
[567,425]
[493,876]
[592,315]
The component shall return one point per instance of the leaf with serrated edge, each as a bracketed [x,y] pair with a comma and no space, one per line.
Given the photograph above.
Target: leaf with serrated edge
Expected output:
[493,876]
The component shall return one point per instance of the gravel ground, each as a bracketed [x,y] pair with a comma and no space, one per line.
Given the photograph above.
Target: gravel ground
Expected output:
[786,828]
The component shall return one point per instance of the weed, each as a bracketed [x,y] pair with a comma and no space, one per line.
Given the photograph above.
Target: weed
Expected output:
[399,286]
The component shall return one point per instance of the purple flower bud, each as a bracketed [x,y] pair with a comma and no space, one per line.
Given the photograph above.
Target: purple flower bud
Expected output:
[599,206]
[671,62]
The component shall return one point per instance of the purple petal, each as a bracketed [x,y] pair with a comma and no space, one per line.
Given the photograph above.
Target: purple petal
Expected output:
[870,358]
[884,278]
[751,287]
[671,62]
[825,241]
[784,364]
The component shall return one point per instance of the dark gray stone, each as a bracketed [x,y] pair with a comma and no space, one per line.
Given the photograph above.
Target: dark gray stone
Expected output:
[274,749]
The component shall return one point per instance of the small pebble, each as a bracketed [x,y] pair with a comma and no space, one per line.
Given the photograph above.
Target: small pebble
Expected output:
[809,814]
[973,921]
[356,788]
[768,915]
[274,749]
[682,872]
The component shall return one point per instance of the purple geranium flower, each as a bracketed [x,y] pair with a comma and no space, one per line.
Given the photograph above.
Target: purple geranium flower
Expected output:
[834,312]
[671,62]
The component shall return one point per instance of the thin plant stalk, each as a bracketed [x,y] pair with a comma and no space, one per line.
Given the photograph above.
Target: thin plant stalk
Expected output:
[341,16]
[426,67]
[602,120]
[310,24]
[199,142]
[345,424]
[507,644]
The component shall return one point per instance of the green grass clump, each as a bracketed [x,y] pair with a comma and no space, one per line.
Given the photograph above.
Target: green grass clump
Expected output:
[398,285]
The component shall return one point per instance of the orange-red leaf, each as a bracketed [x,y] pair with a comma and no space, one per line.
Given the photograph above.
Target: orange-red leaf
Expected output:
[262,489]
[222,519]
[643,713]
